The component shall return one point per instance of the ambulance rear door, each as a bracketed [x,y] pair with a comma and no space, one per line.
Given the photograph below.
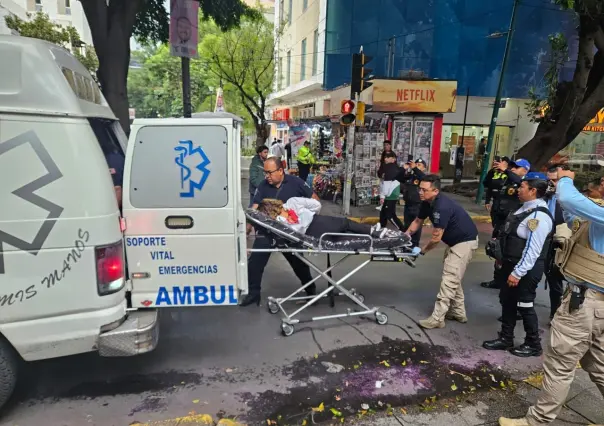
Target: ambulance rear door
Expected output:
[182,214]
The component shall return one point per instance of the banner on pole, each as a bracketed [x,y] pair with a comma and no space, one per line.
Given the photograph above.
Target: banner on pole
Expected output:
[184,33]
[219,107]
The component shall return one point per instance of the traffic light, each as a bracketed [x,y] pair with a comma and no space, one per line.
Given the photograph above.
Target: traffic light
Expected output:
[347,109]
[361,75]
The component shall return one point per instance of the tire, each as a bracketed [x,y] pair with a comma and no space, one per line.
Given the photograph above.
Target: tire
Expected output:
[8,371]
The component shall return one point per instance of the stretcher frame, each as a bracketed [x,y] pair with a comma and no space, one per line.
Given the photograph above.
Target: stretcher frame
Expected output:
[276,305]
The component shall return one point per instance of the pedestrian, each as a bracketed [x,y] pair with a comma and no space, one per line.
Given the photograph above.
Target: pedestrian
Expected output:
[257,170]
[524,243]
[278,150]
[390,190]
[577,332]
[413,173]
[507,201]
[553,276]
[387,149]
[282,187]
[305,160]
[453,226]
[288,155]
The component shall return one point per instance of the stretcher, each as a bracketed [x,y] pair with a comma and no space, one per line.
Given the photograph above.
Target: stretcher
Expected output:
[393,248]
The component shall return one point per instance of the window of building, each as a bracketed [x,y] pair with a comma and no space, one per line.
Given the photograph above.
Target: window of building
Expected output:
[67,7]
[281,11]
[38,5]
[303,61]
[315,51]
[289,68]
[289,11]
[304,5]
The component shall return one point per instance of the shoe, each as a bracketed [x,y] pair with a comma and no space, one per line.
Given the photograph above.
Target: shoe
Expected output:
[430,323]
[311,290]
[462,319]
[498,345]
[525,351]
[251,299]
[490,284]
[513,422]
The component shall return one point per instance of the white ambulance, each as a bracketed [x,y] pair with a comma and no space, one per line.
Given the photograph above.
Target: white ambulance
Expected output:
[64,288]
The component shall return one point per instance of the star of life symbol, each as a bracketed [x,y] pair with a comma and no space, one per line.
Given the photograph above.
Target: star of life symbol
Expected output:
[28,193]
[193,164]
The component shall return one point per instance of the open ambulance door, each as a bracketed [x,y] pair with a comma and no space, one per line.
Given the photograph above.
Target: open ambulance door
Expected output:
[185,226]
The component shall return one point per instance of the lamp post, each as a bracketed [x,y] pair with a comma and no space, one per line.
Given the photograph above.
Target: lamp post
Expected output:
[493,125]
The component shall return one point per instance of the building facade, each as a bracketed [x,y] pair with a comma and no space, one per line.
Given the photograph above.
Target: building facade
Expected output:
[460,40]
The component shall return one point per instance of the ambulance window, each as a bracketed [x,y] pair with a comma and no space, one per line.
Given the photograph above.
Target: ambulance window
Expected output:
[179,167]
[109,141]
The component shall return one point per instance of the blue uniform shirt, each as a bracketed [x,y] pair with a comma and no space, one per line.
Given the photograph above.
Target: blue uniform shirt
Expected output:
[446,214]
[292,186]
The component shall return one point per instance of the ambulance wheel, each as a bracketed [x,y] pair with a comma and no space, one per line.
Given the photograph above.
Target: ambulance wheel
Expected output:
[8,370]
[360,297]
[273,308]
[381,318]
[287,329]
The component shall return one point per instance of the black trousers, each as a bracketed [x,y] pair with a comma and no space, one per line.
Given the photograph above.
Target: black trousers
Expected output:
[257,262]
[303,171]
[341,225]
[388,213]
[520,299]
[410,213]
[556,288]
[498,220]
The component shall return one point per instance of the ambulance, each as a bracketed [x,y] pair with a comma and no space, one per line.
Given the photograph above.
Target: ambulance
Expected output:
[77,274]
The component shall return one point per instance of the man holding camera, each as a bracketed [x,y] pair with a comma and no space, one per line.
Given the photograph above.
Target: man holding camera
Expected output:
[577,333]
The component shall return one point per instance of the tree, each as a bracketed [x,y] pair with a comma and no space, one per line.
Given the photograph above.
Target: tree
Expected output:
[563,108]
[113,22]
[40,26]
[243,58]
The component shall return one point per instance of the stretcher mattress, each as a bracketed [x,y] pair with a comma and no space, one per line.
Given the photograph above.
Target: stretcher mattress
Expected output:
[392,241]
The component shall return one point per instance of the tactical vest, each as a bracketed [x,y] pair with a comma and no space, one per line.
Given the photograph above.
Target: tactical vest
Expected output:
[512,245]
[577,260]
[507,200]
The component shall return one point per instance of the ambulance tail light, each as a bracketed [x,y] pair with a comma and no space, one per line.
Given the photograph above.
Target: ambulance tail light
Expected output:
[110,268]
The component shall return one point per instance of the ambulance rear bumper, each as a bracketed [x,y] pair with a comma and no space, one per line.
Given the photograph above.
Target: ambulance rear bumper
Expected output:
[137,335]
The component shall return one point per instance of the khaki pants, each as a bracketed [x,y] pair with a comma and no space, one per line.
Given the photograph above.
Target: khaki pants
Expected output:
[574,337]
[451,297]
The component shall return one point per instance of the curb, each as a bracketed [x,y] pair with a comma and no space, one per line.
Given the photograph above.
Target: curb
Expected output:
[372,220]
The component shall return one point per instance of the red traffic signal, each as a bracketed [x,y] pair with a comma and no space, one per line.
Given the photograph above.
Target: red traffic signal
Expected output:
[347,107]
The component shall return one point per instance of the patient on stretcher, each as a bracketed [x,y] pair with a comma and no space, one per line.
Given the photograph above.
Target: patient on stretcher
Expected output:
[302,215]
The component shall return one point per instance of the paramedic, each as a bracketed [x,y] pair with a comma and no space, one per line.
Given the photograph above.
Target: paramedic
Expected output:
[577,333]
[453,226]
[524,239]
[279,186]
[115,161]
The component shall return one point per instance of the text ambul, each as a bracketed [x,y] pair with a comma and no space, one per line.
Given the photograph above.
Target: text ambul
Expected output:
[196,295]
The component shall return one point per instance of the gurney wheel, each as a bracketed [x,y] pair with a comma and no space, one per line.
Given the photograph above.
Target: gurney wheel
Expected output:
[360,297]
[287,329]
[381,318]
[273,308]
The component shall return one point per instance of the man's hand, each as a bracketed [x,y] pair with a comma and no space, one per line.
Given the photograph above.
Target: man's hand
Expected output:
[513,281]
[412,164]
[500,166]
[248,229]
[488,207]
[565,173]
[381,201]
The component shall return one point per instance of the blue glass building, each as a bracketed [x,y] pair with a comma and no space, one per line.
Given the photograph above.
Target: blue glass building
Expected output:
[446,39]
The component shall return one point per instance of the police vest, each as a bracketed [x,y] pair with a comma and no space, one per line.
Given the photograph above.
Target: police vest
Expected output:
[576,259]
[497,182]
[512,245]
[508,200]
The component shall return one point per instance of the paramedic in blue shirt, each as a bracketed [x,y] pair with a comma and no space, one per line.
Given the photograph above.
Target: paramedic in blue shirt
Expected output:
[524,239]
[277,185]
[453,226]
[577,333]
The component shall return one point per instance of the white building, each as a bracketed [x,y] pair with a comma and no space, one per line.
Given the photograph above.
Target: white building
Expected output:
[63,12]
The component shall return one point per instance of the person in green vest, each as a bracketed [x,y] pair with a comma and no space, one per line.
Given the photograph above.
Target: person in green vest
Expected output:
[305,159]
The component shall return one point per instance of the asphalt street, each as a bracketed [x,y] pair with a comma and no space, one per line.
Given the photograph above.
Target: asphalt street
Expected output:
[233,362]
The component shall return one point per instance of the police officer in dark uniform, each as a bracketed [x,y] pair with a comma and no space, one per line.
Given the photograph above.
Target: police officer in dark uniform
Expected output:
[523,245]
[411,175]
[507,201]
[493,183]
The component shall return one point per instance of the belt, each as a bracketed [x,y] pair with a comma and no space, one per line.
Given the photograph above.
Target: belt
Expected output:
[594,294]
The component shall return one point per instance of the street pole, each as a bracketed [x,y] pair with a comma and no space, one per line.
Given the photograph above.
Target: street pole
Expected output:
[493,125]
[186,87]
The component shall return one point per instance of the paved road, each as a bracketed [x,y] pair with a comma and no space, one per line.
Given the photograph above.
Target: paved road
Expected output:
[234,361]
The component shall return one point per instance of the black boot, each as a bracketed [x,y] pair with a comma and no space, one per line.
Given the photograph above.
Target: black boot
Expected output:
[498,344]
[526,350]
[311,290]
[490,284]
[251,299]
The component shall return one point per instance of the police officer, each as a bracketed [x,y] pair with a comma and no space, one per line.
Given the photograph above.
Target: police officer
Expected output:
[279,186]
[524,240]
[578,328]
[507,201]
[493,182]
[411,176]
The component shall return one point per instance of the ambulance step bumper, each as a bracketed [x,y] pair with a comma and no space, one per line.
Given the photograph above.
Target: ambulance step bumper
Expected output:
[137,335]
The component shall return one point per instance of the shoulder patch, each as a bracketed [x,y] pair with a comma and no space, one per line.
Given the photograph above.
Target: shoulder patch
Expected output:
[511,191]
[576,225]
[416,182]
[533,224]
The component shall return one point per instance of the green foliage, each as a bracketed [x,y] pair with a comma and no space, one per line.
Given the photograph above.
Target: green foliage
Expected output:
[41,27]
